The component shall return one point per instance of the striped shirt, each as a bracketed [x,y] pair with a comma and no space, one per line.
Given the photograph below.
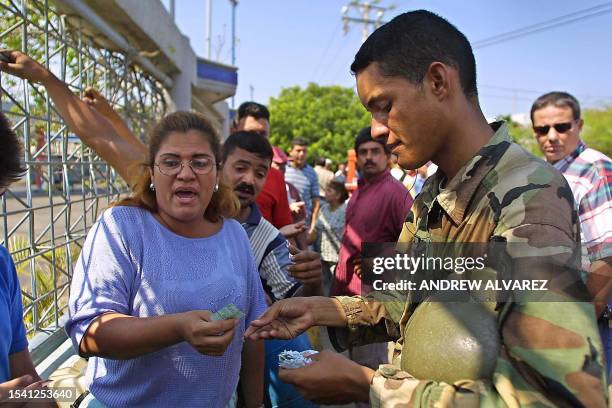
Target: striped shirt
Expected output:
[307,183]
[271,254]
[589,174]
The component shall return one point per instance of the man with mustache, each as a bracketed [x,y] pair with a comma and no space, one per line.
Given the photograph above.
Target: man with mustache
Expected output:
[375,213]
[104,131]
[247,157]
[272,201]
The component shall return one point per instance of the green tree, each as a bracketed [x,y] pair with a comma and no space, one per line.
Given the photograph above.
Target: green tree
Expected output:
[328,117]
[597,130]
[522,135]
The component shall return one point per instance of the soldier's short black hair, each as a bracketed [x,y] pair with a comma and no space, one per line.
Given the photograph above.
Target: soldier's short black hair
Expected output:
[365,135]
[559,100]
[11,166]
[254,109]
[252,142]
[407,45]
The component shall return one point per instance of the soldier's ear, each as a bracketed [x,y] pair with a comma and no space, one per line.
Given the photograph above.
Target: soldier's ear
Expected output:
[439,79]
[580,124]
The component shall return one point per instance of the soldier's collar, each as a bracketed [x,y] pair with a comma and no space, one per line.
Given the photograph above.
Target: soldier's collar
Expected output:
[458,193]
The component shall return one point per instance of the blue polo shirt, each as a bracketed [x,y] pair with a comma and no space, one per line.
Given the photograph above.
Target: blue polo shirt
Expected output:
[307,183]
[12,330]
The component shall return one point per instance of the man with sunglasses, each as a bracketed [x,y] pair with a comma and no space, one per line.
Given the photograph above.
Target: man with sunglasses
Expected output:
[557,125]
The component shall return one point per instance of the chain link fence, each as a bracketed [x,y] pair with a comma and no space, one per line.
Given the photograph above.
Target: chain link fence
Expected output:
[46,216]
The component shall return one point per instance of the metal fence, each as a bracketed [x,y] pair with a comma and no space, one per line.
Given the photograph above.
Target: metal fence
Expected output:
[45,217]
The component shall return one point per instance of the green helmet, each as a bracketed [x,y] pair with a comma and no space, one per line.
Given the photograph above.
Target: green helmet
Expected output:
[451,341]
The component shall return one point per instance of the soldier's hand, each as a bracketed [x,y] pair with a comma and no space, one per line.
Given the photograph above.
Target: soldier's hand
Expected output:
[307,266]
[285,319]
[22,66]
[95,99]
[205,335]
[330,379]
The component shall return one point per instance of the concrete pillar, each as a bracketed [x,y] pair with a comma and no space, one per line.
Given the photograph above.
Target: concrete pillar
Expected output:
[180,93]
[223,108]
[183,81]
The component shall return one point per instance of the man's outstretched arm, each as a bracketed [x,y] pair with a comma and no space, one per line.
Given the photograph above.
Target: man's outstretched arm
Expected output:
[288,318]
[97,101]
[91,127]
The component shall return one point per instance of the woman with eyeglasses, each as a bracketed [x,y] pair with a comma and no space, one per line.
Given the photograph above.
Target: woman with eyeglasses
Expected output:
[154,269]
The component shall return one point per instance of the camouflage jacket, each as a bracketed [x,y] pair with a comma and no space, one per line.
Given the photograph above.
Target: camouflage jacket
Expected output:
[546,358]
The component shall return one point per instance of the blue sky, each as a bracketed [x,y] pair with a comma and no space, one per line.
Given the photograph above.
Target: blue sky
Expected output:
[284,43]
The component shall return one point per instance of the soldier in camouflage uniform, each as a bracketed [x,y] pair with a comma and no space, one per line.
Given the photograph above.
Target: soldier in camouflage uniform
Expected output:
[487,189]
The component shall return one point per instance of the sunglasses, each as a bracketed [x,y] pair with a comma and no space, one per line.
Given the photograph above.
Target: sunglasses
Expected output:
[559,127]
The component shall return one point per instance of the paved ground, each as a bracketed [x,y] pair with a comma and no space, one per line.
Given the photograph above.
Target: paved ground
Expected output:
[71,221]
[68,217]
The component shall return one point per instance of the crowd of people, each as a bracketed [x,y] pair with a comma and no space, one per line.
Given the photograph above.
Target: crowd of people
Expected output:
[244,223]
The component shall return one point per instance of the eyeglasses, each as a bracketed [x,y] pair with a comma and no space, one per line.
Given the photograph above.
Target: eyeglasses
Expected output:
[172,167]
[559,127]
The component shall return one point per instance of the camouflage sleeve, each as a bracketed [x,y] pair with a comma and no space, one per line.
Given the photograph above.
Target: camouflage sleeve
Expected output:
[393,388]
[369,321]
[552,348]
